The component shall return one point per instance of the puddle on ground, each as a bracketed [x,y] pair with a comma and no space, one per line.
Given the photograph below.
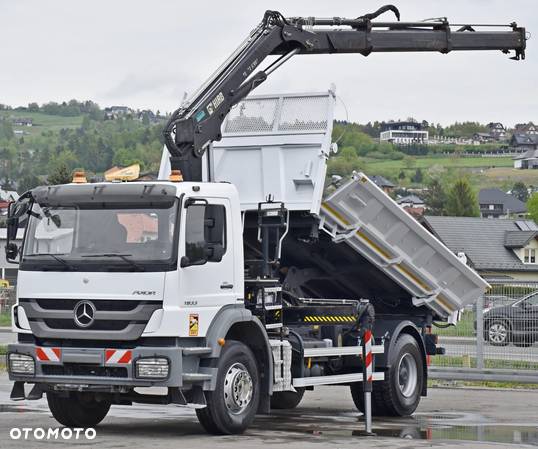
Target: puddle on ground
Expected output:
[437,426]
[483,433]
[8,408]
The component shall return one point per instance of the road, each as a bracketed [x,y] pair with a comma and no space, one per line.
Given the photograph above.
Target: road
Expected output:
[455,346]
[6,336]
[449,419]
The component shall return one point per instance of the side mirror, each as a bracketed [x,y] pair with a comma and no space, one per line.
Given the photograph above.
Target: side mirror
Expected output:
[186,262]
[12,227]
[12,251]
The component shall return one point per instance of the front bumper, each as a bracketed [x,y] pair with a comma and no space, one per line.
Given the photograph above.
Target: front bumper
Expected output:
[111,369]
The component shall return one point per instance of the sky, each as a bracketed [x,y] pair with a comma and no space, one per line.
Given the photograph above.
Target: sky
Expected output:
[147,54]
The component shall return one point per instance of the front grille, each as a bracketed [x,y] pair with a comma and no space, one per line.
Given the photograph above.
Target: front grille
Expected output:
[100,304]
[98,325]
[121,320]
[83,370]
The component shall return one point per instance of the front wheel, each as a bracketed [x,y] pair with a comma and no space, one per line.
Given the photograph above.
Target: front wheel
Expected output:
[77,409]
[231,408]
[399,394]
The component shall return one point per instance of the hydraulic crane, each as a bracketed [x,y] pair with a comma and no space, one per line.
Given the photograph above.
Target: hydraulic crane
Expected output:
[198,121]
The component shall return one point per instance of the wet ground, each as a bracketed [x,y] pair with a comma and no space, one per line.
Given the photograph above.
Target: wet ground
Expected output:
[448,418]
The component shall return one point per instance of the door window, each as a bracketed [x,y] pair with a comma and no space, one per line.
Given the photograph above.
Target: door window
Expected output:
[205,233]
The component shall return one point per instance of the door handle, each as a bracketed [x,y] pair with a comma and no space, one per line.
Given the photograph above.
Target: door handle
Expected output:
[226,285]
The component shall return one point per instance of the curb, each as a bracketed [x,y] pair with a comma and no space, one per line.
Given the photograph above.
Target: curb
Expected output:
[5,329]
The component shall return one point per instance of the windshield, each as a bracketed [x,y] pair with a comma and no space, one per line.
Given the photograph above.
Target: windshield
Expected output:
[132,236]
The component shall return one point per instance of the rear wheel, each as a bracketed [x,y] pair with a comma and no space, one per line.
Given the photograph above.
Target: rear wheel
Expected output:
[498,333]
[231,408]
[399,394]
[285,400]
[77,409]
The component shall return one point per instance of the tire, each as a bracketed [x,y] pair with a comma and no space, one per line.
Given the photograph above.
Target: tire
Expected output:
[399,394]
[77,410]
[226,413]
[498,332]
[286,400]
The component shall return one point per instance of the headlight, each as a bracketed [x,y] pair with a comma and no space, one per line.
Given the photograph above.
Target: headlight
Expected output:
[21,364]
[152,368]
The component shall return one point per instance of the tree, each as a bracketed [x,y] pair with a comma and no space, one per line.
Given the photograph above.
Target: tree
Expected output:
[532,206]
[401,175]
[145,119]
[520,191]
[27,182]
[418,176]
[435,198]
[409,162]
[61,175]
[461,200]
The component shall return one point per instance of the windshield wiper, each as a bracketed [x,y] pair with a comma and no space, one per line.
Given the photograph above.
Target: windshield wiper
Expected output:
[124,257]
[55,257]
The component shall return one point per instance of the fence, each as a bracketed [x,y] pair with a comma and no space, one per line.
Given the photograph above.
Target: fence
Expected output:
[496,339]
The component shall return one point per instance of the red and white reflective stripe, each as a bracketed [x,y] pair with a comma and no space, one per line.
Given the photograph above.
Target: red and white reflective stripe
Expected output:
[118,356]
[48,354]
[369,356]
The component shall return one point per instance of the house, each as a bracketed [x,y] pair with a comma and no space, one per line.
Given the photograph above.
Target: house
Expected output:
[115,112]
[496,249]
[496,130]
[483,138]
[383,183]
[526,128]
[524,141]
[528,159]
[412,204]
[6,197]
[403,133]
[147,113]
[20,121]
[494,203]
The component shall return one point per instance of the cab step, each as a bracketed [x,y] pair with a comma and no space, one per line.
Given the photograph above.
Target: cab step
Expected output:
[340,350]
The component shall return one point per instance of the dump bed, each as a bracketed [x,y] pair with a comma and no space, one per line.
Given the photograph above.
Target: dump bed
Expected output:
[364,217]
[277,146]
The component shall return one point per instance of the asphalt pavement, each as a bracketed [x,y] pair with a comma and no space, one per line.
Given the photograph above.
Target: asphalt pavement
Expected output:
[448,418]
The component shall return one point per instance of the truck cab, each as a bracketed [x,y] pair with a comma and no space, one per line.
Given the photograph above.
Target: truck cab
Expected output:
[120,284]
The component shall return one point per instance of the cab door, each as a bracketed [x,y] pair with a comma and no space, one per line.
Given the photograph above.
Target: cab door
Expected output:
[206,254]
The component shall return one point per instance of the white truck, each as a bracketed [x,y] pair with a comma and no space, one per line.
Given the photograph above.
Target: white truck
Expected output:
[235,284]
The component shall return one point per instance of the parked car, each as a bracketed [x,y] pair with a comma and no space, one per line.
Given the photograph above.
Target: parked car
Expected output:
[516,322]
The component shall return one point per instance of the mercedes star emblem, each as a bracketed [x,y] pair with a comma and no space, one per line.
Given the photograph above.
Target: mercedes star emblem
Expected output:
[84,313]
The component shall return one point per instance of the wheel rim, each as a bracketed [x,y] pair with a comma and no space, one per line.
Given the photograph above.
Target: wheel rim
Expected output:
[238,388]
[407,375]
[497,333]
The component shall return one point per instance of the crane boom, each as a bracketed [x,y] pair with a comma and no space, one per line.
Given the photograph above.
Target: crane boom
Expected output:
[198,121]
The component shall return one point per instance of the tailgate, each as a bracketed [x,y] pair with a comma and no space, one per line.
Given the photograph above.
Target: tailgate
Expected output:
[368,220]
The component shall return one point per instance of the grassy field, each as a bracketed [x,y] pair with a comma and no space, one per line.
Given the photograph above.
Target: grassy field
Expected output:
[5,319]
[42,121]
[502,173]
[426,162]
[465,328]
[470,362]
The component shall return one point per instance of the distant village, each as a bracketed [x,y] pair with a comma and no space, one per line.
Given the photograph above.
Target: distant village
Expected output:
[521,142]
